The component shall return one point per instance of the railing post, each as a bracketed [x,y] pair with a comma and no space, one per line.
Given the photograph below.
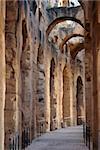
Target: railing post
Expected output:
[18,142]
[10,144]
[13,143]
[84,132]
[88,136]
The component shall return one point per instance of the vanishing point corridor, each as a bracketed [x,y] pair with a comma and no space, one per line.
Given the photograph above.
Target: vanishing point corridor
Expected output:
[70,138]
[49,74]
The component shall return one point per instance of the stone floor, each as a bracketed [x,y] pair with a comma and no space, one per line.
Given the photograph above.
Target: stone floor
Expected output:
[63,139]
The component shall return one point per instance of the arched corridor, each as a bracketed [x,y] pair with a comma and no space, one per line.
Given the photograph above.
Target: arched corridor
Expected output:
[49,74]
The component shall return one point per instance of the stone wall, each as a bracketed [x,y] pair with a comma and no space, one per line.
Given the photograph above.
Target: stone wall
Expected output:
[2,72]
[21,71]
[91,70]
[39,88]
[11,50]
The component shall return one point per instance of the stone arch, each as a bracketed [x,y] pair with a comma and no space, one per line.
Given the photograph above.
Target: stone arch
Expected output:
[79,101]
[40,92]
[59,20]
[66,97]
[78,47]
[67,38]
[52,96]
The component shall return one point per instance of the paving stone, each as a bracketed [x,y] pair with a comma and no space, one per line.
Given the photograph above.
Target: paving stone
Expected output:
[69,138]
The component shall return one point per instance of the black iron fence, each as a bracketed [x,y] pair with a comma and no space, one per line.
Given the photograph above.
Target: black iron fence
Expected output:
[84,132]
[17,142]
[41,127]
[14,142]
[87,135]
[25,137]
[80,120]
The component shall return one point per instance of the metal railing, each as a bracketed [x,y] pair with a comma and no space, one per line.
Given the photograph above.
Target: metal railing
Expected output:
[17,142]
[14,142]
[41,125]
[87,135]
[25,137]
[80,120]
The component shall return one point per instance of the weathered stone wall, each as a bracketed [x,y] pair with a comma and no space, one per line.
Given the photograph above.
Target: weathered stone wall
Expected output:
[2,71]
[28,68]
[37,95]
[66,95]
[98,99]
[57,83]
[79,70]
[91,69]
[11,49]
[21,70]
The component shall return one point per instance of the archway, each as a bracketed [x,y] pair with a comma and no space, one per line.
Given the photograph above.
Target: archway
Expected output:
[66,97]
[52,96]
[76,49]
[79,101]
[67,38]
[59,20]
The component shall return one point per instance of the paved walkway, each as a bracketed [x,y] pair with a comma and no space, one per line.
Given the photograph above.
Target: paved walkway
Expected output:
[63,139]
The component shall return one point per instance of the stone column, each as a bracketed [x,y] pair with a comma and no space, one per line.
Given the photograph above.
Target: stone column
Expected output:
[10,44]
[2,71]
[88,78]
[47,87]
[98,71]
[95,45]
[98,75]
[91,88]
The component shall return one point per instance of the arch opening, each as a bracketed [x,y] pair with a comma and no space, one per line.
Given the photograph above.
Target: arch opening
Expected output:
[66,98]
[67,38]
[79,101]
[62,19]
[53,101]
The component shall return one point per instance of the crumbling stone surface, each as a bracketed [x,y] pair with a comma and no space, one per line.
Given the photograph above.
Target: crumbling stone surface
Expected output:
[39,86]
